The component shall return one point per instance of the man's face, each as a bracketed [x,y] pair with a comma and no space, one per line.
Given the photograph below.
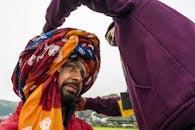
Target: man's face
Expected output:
[70,81]
[110,37]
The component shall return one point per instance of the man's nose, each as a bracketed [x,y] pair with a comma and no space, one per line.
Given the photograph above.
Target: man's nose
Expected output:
[77,77]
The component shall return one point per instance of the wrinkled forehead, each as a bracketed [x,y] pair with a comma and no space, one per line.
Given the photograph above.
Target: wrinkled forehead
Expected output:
[77,63]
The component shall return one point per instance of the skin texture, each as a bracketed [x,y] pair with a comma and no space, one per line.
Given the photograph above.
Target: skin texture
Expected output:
[70,81]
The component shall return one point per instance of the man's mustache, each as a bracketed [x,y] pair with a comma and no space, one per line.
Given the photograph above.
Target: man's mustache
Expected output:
[74,84]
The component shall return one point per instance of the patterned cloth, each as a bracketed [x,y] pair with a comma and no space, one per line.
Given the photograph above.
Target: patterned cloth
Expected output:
[35,78]
[12,122]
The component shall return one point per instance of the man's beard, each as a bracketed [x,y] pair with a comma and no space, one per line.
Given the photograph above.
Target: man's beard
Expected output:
[67,98]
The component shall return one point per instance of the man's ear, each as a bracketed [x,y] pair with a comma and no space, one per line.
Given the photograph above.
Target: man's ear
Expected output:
[109,28]
[110,35]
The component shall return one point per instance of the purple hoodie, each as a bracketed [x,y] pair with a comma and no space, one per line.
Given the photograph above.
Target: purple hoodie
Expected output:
[157,46]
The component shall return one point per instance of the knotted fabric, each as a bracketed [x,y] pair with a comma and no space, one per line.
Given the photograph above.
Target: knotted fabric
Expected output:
[35,78]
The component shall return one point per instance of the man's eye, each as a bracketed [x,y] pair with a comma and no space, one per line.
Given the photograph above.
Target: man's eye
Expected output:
[82,74]
[70,67]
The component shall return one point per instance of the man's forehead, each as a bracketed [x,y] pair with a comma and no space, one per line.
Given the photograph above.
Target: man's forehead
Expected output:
[77,62]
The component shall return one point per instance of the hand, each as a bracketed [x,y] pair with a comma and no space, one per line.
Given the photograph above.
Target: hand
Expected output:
[57,11]
[80,103]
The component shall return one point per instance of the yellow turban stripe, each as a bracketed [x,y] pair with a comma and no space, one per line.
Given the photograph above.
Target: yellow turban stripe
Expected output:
[35,77]
[32,115]
[65,51]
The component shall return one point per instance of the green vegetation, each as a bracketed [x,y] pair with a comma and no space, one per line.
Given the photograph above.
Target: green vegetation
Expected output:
[108,128]
[7,107]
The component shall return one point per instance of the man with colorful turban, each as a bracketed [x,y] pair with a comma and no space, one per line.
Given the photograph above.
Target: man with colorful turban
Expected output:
[52,71]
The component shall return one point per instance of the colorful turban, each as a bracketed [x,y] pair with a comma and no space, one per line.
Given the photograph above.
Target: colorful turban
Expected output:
[35,76]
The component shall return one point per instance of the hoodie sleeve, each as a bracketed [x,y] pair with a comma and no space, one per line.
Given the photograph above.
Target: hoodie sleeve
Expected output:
[56,13]
[59,9]
[107,106]
[113,8]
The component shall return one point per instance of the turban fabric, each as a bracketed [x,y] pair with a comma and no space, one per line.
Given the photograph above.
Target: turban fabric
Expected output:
[35,78]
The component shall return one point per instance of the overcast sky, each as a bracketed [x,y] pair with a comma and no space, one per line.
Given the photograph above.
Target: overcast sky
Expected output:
[22,20]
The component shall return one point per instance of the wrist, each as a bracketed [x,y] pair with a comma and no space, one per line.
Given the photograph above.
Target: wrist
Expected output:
[47,28]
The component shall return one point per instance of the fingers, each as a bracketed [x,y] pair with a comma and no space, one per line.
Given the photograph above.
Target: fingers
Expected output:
[80,104]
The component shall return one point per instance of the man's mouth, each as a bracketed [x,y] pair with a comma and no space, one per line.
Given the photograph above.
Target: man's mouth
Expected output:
[72,88]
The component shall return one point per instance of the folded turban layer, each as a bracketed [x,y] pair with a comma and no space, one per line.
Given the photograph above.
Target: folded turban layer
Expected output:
[35,76]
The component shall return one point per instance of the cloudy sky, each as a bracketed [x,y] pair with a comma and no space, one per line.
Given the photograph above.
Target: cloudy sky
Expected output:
[21,20]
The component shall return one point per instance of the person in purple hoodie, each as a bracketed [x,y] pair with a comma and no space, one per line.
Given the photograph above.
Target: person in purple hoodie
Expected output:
[157,47]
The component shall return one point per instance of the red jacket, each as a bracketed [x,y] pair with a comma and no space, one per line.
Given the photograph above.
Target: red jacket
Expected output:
[12,122]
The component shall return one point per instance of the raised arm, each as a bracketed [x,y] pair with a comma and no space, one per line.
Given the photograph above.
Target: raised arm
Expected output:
[56,13]
[113,8]
[107,107]
[59,9]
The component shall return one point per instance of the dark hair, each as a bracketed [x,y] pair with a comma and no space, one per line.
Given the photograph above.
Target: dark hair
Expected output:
[109,27]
